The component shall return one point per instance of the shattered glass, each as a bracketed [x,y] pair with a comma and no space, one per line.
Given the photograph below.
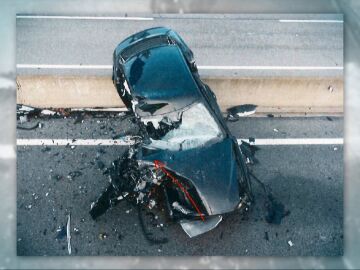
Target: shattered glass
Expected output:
[196,129]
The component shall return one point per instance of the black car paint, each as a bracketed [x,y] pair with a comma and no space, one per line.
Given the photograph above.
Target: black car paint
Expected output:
[173,65]
[155,75]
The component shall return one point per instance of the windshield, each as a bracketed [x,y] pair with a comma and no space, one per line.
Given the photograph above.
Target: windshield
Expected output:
[197,127]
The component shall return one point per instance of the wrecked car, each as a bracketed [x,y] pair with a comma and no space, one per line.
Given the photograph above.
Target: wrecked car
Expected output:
[184,149]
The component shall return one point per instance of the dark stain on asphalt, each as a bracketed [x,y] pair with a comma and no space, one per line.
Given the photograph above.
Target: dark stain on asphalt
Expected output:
[275,210]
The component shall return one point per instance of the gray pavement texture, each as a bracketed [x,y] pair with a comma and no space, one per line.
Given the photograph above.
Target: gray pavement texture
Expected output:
[216,40]
[307,180]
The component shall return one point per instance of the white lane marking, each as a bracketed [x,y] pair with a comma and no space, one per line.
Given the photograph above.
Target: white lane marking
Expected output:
[48,66]
[272,67]
[310,21]
[70,142]
[7,151]
[67,17]
[7,83]
[84,18]
[297,141]
[128,141]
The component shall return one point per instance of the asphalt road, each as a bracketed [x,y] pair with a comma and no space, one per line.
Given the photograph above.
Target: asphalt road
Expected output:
[306,179]
[250,41]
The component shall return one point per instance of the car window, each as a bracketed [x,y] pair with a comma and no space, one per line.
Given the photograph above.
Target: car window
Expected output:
[197,128]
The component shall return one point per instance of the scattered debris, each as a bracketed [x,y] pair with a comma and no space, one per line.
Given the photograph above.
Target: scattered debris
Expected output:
[151,204]
[45,149]
[79,118]
[331,88]
[27,111]
[103,236]
[234,113]
[23,119]
[28,127]
[249,151]
[335,148]
[276,130]
[61,233]
[290,243]
[57,177]
[47,112]
[149,235]
[74,174]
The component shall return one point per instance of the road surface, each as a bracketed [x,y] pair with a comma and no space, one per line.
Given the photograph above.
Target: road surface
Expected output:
[224,45]
[306,179]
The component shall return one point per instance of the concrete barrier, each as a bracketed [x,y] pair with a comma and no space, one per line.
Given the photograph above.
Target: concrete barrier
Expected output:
[271,95]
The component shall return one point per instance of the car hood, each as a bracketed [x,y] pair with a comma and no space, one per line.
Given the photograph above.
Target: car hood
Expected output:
[212,169]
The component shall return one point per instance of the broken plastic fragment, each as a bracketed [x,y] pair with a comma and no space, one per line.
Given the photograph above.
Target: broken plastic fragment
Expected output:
[197,227]
[152,203]
[234,113]
[47,112]
[23,119]
[249,151]
[180,208]
[61,232]
[140,186]
[140,197]
[103,236]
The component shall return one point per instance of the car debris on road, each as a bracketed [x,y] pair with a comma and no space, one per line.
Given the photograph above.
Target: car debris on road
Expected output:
[234,113]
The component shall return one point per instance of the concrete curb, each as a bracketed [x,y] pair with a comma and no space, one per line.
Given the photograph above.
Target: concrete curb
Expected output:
[271,95]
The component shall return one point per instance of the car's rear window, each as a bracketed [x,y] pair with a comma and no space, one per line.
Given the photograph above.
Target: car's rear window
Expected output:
[144,45]
[161,74]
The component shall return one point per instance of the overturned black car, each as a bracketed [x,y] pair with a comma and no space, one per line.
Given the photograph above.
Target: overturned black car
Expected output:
[184,149]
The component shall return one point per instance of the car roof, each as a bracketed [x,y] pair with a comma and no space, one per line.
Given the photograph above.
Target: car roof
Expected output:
[161,75]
